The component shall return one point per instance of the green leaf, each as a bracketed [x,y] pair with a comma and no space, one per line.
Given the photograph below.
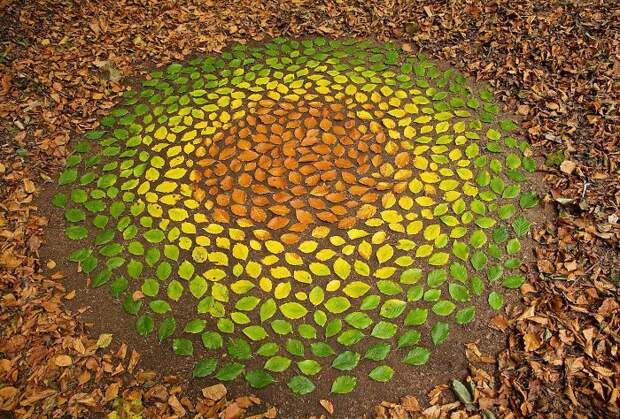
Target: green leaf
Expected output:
[294,310]
[134,268]
[321,349]
[267,309]
[458,272]
[437,277]
[309,366]
[496,301]
[458,292]
[131,306]
[175,290]
[392,308]
[68,176]
[440,332]
[500,234]
[258,378]
[513,246]
[195,326]
[411,276]
[166,328]
[417,356]
[277,363]
[111,249]
[204,367]
[268,349]
[370,302]
[382,373]
[432,295]
[186,270]
[281,327]
[144,325]
[358,320]
[521,226]
[461,392]
[344,384]
[212,340]
[478,239]
[460,250]
[101,278]
[513,281]
[198,286]
[346,361]
[75,215]
[443,307]
[415,293]
[465,315]
[528,200]
[529,164]
[300,385]
[337,305]
[511,191]
[59,200]
[229,371]
[384,330]
[485,222]
[154,236]
[118,286]
[76,232]
[183,347]
[416,317]
[478,260]
[494,272]
[377,351]
[513,263]
[333,327]
[255,332]
[160,306]
[239,348]
[477,285]
[171,252]
[163,271]
[295,347]
[350,337]
[389,287]
[409,338]
[506,211]
[247,303]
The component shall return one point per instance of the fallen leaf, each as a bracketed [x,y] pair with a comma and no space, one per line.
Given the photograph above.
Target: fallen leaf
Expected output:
[63,360]
[215,392]
[327,405]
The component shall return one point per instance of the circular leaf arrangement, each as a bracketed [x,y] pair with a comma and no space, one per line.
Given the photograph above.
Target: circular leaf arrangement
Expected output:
[311,204]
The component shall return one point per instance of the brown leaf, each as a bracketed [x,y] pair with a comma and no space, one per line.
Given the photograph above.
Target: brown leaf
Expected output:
[215,392]
[63,360]
[327,405]
[277,223]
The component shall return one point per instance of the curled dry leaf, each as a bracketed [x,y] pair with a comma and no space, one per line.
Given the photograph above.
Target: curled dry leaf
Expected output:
[63,360]
[215,392]
[104,340]
[328,406]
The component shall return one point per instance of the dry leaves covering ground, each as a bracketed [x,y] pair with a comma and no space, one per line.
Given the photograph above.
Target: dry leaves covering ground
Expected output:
[556,63]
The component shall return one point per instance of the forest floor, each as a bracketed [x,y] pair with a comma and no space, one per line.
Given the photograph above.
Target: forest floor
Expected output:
[555,63]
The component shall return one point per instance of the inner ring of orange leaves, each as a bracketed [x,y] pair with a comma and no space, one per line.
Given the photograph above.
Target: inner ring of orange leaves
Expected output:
[292,165]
